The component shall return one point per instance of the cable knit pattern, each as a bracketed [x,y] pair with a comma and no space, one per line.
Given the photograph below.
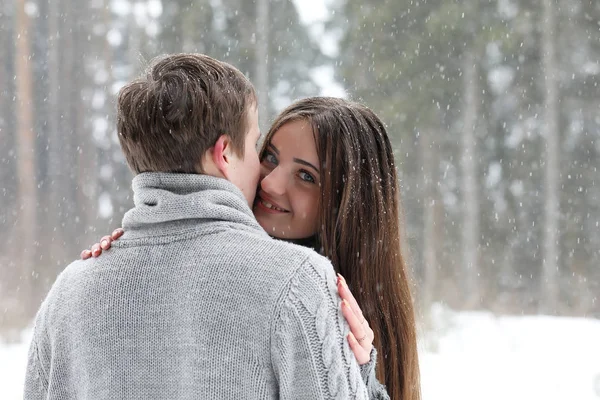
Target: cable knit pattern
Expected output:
[313,304]
[195,301]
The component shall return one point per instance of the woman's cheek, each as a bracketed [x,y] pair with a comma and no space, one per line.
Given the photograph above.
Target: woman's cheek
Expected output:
[309,213]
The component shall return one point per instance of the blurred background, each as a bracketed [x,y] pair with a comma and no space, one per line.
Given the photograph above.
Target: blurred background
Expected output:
[493,107]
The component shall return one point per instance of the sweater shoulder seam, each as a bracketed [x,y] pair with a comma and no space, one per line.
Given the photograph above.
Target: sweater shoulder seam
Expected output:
[40,371]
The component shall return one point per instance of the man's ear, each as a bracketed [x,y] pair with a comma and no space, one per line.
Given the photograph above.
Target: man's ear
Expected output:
[221,155]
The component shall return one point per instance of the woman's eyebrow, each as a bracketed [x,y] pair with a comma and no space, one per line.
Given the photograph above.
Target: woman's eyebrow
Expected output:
[300,161]
[297,160]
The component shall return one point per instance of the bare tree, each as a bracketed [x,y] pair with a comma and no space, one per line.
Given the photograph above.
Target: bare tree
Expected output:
[7,134]
[86,150]
[428,152]
[56,164]
[470,226]
[549,281]
[25,143]
[262,60]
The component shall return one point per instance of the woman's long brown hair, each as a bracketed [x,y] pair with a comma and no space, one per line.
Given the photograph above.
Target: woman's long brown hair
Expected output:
[360,228]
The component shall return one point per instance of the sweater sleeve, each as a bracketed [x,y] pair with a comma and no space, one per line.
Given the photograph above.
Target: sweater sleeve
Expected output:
[374,387]
[310,354]
[39,359]
[36,378]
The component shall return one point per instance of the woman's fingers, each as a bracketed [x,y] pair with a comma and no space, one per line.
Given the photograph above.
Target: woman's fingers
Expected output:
[353,314]
[346,294]
[117,233]
[96,250]
[361,333]
[362,356]
[105,242]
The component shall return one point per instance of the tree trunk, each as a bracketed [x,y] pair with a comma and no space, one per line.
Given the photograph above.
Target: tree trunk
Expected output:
[85,177]
[56,163]
[9,275]
[134,40]
[26,148]
[67,129]
[171,37]
[262,62]
[470,226]
[7,123]
[430,244]
[549,281]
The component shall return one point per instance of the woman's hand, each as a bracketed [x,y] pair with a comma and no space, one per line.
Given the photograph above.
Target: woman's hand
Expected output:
[361,335]
[104,244]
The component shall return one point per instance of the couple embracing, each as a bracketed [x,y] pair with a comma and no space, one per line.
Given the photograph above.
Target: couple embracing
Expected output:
[224,285]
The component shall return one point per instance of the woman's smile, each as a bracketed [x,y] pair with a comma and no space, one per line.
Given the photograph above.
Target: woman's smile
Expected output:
[287,200]
[269,205]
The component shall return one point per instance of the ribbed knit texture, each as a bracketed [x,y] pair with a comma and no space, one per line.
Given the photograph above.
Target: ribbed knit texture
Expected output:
[195,301]
[375,388]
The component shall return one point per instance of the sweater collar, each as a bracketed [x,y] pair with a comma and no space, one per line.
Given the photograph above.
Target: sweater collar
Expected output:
[166,200]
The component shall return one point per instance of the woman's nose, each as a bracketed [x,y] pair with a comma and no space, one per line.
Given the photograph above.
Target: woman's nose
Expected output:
[274,182]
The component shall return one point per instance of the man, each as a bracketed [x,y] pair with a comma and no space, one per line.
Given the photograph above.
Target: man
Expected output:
[197,302]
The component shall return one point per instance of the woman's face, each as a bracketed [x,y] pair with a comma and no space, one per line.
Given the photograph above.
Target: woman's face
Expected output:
[287,198]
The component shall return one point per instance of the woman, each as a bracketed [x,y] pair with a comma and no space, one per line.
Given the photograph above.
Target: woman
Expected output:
[328,181]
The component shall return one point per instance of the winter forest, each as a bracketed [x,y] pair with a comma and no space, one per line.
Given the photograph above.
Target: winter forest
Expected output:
[493,106]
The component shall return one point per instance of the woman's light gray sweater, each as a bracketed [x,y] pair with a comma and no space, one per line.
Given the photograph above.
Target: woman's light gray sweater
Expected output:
[194,302]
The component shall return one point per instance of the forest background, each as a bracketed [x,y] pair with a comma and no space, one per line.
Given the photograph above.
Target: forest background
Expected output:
[492,106]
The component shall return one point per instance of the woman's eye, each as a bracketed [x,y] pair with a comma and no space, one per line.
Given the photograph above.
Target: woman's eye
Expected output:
[270,158]
[305,176]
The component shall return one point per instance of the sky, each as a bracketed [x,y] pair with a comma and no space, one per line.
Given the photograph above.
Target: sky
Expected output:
[314,14]
[312,10]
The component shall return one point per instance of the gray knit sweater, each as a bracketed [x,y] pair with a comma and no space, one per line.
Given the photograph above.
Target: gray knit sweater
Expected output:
[194,302]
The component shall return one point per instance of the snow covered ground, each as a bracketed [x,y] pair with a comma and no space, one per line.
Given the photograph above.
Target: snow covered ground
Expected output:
[13,360]
[467,356]
[481,356]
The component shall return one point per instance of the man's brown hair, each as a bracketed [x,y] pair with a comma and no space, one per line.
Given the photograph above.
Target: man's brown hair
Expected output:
[169,117]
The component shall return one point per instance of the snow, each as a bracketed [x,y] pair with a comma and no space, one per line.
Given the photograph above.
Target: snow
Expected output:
[120,8]
[501,78]
[311,11]
[154,8]
[325,78]
[467,356]
[13,361]
[494,174]
[114,37]
[478,355]
[508,9]
[591,68]
[31,9]
[105,207]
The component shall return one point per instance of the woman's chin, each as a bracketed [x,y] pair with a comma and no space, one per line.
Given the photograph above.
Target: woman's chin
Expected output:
[272,230]
[278,228]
